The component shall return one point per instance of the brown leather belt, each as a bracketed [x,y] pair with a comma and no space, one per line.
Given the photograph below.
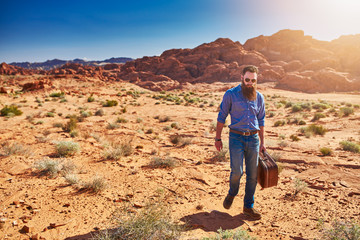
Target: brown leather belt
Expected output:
[244,133]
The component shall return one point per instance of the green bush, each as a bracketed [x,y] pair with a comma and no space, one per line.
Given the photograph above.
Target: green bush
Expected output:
[49,167]
[65,148]
[346,111]
[110,103]
[91,98]
[12,110]
[57,94]
[317,116]
[294,138]
[99,112]
[326,151]
[313,129]
[279,123]
[350,146]
[296,108]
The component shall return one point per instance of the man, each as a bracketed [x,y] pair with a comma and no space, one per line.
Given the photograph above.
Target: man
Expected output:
[247,110]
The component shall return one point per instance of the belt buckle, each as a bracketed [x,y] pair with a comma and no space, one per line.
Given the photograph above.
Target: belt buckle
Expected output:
[247,133]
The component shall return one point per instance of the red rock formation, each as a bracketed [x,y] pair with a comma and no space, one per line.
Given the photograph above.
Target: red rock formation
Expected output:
[36,85]
[6,69]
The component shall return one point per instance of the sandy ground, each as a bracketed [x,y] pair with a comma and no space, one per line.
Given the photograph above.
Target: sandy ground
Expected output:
[195,188]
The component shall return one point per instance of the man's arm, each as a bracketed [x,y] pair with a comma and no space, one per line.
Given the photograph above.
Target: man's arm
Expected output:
[219,128]
[262,143]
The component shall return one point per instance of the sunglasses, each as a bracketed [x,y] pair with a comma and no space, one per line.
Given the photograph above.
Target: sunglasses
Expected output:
[252,80]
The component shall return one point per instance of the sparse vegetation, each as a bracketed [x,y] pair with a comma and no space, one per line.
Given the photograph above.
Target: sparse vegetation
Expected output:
[350,146]
[340,230]
[8,149]
[97,184]
[91,98]
[153,221]
[231,234]
[317,116]
[71,125]
[99,112]
[313,129]
[57,94]
[346,111]
[294,138]
[53,168]
[9,111]
[110,103]
[163,162]
[67,148]
[180,140]
[300,186]
[279,123]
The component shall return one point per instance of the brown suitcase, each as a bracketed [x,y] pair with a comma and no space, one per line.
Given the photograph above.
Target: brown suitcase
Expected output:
[267,170]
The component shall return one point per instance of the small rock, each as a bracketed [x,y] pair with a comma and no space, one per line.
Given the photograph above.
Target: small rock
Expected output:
[15,223]
[27,229]
[138,205]
[66,205]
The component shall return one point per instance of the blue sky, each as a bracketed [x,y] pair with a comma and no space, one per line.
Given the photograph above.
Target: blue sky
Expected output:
[40,30]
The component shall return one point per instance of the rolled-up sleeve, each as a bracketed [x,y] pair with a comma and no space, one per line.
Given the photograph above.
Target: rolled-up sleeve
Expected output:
[261,114]
[225,107]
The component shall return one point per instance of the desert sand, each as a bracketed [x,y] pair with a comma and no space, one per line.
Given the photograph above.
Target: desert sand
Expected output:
[195,188]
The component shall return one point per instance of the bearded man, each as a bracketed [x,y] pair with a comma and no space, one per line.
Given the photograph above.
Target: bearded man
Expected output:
[246,138]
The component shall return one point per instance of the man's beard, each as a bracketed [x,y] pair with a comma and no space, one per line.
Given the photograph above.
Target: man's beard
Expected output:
[249,92]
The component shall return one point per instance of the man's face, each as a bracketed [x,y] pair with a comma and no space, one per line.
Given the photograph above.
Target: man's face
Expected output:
[249,79]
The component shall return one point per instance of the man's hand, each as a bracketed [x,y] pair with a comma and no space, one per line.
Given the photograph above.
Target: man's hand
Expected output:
[218,145]
[262,148]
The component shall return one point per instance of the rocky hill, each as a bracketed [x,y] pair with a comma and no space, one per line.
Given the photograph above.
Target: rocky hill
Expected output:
[289,58]
[56,63]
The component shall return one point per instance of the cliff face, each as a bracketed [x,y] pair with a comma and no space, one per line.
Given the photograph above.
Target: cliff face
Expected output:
[289,58]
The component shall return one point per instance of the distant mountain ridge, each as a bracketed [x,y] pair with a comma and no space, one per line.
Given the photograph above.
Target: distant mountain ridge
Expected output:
[56,63]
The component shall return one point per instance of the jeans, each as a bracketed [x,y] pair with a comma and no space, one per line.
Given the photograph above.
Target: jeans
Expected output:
[240,147]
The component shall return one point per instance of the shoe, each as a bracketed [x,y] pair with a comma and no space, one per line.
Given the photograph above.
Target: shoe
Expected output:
[251,212]
[228,201]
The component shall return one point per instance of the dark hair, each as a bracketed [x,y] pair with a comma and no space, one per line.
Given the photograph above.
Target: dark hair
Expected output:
[250,68]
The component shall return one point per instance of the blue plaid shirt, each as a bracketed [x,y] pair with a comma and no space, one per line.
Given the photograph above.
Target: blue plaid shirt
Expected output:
[245,115]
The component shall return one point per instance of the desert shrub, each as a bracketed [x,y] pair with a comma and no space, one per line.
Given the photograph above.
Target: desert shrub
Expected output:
[283,144]
[167,128]
[150,131]
[49,167]
[313,129]
[99,112]
[112,126]
[71,178]
[296,108]
[50,114]
[180,140]
[66,148]
[153,221]
[163,162]
[356,106]
[57,94]
[85,114]
[97,184]
[11,110]
[121,120]
[271,114]
[299,186]
[164,119]
[58,125]
[305,106]
[110,103]
[279,123]
[346,111]
[8,149]
[71,125]
[91,98]
[74,133]
[175,125]
[288,104]
[320,106]
[139,120]
[117,150]
[317,116]
[294,138]
[229,234]
[350,146]
[340,230]
[302,122]
[326,151]
[221,156]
